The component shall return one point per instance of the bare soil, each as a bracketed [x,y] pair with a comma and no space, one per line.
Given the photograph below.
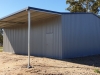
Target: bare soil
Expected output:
[12,64]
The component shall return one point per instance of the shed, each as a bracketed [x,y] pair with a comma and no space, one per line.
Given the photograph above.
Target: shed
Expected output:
[53,34]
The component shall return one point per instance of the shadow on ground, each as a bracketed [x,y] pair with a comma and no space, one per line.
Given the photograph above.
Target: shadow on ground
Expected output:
[89,60]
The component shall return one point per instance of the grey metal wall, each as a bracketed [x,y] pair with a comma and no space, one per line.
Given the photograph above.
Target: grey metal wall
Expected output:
[80,35]
[46,38]
[15,39]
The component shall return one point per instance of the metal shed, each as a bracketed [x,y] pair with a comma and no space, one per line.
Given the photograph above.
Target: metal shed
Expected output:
[51,34]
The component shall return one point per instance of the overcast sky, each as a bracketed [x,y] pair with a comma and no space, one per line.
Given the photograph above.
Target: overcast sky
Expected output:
[10,6]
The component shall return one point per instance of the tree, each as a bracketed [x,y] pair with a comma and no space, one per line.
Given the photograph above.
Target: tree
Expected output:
[83,6]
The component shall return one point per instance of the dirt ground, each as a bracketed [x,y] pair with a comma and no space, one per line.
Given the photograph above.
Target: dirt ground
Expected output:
[12,64]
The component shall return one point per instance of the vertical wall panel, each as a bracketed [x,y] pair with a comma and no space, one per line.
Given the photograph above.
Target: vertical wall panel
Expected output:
[81,35]
[39,33]
[15,38]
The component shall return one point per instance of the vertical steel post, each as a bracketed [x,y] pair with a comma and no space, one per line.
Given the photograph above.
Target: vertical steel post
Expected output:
[29,25]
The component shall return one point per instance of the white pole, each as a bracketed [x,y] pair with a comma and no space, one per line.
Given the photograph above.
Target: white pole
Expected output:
[29,24]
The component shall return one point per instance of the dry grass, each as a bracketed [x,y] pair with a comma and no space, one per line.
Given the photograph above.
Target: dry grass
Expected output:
[12,64]
[97,71]
[1,49]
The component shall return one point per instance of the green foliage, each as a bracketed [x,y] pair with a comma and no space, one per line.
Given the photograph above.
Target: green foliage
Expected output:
[97,71]
[1,36]
[83,6]
[1,49]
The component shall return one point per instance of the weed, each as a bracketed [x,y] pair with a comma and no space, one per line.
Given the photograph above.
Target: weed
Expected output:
[97,71]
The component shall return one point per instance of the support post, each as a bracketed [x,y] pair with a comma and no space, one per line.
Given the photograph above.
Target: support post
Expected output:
[29,25]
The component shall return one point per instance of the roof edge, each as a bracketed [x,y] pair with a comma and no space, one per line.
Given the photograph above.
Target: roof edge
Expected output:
[14,13]
[30,8]
[43,10]
[82,13]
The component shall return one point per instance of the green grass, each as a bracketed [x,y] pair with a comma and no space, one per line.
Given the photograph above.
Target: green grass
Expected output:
[1,49]
[97,71]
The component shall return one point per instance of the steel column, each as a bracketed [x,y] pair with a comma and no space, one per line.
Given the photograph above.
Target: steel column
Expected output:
[29,25]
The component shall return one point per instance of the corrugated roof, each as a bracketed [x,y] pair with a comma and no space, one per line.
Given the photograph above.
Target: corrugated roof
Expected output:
[20,17]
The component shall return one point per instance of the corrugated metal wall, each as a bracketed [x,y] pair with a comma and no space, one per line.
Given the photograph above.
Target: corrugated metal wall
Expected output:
[81,35]
[46,38]
[15,39]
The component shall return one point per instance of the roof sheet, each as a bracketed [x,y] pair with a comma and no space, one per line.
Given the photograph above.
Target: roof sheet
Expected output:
[21,17]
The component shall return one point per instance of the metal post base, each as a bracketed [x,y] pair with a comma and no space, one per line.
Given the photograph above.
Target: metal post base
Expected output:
[29,66]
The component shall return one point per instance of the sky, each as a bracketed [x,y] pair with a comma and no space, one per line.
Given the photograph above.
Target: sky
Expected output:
[10,6]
